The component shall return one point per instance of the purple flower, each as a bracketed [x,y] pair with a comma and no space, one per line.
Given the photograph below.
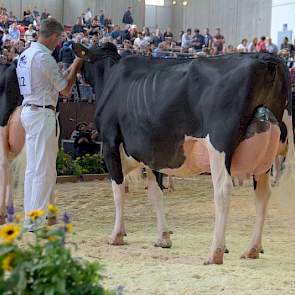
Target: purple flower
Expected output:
[10,210]
[120,290]
[10,213]
[66,218]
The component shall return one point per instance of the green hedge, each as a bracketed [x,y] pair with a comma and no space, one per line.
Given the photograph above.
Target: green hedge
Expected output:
[88,164]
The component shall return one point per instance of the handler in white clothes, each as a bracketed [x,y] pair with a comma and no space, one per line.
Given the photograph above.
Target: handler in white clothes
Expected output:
[40,82]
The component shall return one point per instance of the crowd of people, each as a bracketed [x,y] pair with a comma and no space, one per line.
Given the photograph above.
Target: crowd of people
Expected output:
[92,30]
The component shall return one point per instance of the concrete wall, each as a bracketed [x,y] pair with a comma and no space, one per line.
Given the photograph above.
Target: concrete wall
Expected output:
[159,16]
[282,13]
[237,18]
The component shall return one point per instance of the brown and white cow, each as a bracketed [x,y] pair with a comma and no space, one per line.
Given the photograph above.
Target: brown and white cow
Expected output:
[12,134]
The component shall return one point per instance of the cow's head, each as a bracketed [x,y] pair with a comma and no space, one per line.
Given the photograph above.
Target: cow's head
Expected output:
[97,62]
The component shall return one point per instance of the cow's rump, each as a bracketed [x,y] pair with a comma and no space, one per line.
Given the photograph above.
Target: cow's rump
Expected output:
[10,97]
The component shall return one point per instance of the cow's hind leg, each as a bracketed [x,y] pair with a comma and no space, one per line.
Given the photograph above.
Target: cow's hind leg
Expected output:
[262,194]
[156,197]
[222,184]
[113,162]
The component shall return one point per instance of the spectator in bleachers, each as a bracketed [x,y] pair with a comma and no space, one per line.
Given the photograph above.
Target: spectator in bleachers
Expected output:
[44,14]
[243,46]
[108,22]
[157,38]
[29,33]
[179,40]
[94,43]
[127,17]
[4,23]
[35,12]
[208,39]
[66,56]
[198,41]
[94,28]
[116,34]
[271,47]
[28,18]
[147,35]
[218,41]
[252,47]
[168,34]
[6,37]
[287,46]
[78,27]
[126,50]
[14,32]
[261,45]
[161,51]
[140,42]
[88,17]
[186,41]
[229,49]
[101,18]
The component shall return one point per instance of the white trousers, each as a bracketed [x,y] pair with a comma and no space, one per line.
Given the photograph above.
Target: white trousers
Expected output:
[41,149]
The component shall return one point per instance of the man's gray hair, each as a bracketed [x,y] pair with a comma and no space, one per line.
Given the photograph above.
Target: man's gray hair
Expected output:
[50,26]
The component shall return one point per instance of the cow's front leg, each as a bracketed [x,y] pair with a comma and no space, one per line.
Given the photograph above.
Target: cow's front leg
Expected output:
[113,161]
[262,194]
[4,166]
[222,184]
[156,197]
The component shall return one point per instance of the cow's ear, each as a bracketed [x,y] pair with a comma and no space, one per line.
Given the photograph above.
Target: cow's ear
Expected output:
[81,51]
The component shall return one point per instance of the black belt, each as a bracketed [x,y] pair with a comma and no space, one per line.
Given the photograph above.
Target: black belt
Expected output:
[38,106]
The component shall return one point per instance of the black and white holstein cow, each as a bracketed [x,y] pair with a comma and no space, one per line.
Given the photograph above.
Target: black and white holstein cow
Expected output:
[12,135]
[185,117]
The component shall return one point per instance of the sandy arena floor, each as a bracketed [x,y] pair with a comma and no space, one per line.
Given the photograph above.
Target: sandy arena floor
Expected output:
[143,269]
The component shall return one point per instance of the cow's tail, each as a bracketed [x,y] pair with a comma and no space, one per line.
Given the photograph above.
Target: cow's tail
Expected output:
[285,192]
[18,167]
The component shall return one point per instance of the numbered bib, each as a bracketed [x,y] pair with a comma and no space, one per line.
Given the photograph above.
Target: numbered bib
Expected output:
[24,74]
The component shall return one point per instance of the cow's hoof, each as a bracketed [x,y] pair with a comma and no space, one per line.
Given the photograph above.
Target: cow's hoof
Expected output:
[253,253]
[117,240]
[2,219]
[217,257]
[52,220]
[226,251]
[164,241]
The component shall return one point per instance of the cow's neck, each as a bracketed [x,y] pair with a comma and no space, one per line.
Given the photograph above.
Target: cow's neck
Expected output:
[102,74]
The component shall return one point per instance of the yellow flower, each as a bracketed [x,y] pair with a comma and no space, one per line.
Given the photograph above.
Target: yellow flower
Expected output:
[52,238]
[52,209]
[7,262]
[69,227]
[9,232]
[17,218]
[35,214]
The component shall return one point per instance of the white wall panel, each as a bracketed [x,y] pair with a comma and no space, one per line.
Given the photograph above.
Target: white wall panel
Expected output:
[237,18]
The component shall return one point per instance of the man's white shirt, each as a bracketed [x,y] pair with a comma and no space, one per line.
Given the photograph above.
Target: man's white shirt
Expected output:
[39,77]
